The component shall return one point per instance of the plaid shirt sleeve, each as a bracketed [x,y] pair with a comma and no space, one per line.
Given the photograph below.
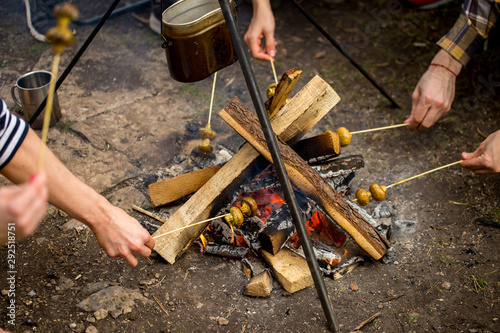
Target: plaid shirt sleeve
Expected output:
[472,27]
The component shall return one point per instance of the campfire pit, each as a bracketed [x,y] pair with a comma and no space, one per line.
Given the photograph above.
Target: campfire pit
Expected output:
[291,122]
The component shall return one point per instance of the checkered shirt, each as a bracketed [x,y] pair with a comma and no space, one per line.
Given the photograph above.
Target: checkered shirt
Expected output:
[472,28]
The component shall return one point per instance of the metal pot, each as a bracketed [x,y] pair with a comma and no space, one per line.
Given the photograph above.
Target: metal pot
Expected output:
[196,39]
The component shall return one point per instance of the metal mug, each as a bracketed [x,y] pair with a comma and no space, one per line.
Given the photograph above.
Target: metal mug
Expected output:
[33,87]
[196,39]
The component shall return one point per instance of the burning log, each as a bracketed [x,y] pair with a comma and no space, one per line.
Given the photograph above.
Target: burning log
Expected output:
[307,180]
[324,144]
[291,122]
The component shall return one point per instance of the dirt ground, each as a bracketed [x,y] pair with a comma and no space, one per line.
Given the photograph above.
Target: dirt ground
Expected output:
[124,119]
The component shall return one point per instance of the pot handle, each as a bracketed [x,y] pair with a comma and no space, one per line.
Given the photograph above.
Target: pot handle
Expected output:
[13,93]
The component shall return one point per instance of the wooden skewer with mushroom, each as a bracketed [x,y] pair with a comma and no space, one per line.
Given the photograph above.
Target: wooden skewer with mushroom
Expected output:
[377,192]
[271,89]
[59,37]
[235,216]
[207,133]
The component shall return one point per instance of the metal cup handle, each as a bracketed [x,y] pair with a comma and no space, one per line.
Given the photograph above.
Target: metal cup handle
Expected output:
[13,93]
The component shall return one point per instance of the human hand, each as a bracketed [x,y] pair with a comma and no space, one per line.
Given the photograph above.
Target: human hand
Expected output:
[122,236]
[261,26]
[25,205]
[486,158]
[434,93]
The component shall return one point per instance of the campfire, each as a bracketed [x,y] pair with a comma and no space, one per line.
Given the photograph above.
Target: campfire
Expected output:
[340,235]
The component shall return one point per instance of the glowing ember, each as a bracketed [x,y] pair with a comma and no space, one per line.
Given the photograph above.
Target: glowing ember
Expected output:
[321,229]
[232,230]
[267,202]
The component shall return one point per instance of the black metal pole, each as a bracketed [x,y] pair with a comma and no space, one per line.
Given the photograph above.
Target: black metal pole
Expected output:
[76,58]
[338,47]
[280,167]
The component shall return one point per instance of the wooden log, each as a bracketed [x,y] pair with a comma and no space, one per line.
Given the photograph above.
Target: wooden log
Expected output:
[324,144]
[278,228]
[260,286]
[290,269]
[283,90]
[309,182]
[291,122]
[170,190]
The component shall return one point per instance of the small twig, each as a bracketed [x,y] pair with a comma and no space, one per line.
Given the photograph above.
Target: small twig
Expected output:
[145,212]
[161,306]
[393,298]
[366,321]
[157,283]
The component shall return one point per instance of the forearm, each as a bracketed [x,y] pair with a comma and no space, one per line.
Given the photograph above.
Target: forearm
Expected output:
[66,191]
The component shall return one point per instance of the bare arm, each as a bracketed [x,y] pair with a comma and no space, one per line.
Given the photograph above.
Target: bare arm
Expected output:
[261,26]
[118,234]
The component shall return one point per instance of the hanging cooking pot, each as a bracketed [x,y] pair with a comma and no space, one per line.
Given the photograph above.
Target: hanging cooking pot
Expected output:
[196,39]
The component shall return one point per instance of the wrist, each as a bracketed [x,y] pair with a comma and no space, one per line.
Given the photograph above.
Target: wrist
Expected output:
[446,60]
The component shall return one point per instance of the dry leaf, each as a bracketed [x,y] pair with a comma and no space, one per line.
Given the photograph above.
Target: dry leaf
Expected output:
[354,286]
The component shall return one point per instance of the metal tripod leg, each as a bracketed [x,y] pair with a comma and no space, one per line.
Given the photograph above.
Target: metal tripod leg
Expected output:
[280,167]
[76,57]
[338,47]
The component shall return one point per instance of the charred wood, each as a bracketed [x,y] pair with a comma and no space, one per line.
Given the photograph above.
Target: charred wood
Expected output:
[226,250]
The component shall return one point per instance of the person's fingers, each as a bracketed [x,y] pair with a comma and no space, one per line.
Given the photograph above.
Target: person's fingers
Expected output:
[418,114]
[131,260]
[39,183]
[31,217]
[474,163]
[270,44]
[145,251]
[431,116]
[150,242]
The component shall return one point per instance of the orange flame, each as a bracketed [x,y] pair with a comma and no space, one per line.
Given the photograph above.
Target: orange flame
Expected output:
[203,240]
[232,231]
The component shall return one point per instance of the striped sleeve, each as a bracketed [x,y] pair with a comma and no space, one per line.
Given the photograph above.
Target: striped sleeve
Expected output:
[12,133]
[471,28]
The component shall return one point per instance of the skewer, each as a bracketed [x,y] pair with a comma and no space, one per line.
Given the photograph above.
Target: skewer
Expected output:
[345,135]
[212,98]
[271,89]
[379,128]
[377,192]
[60,37]
[48,111]
[274,70]
[207,133]
[234,217]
